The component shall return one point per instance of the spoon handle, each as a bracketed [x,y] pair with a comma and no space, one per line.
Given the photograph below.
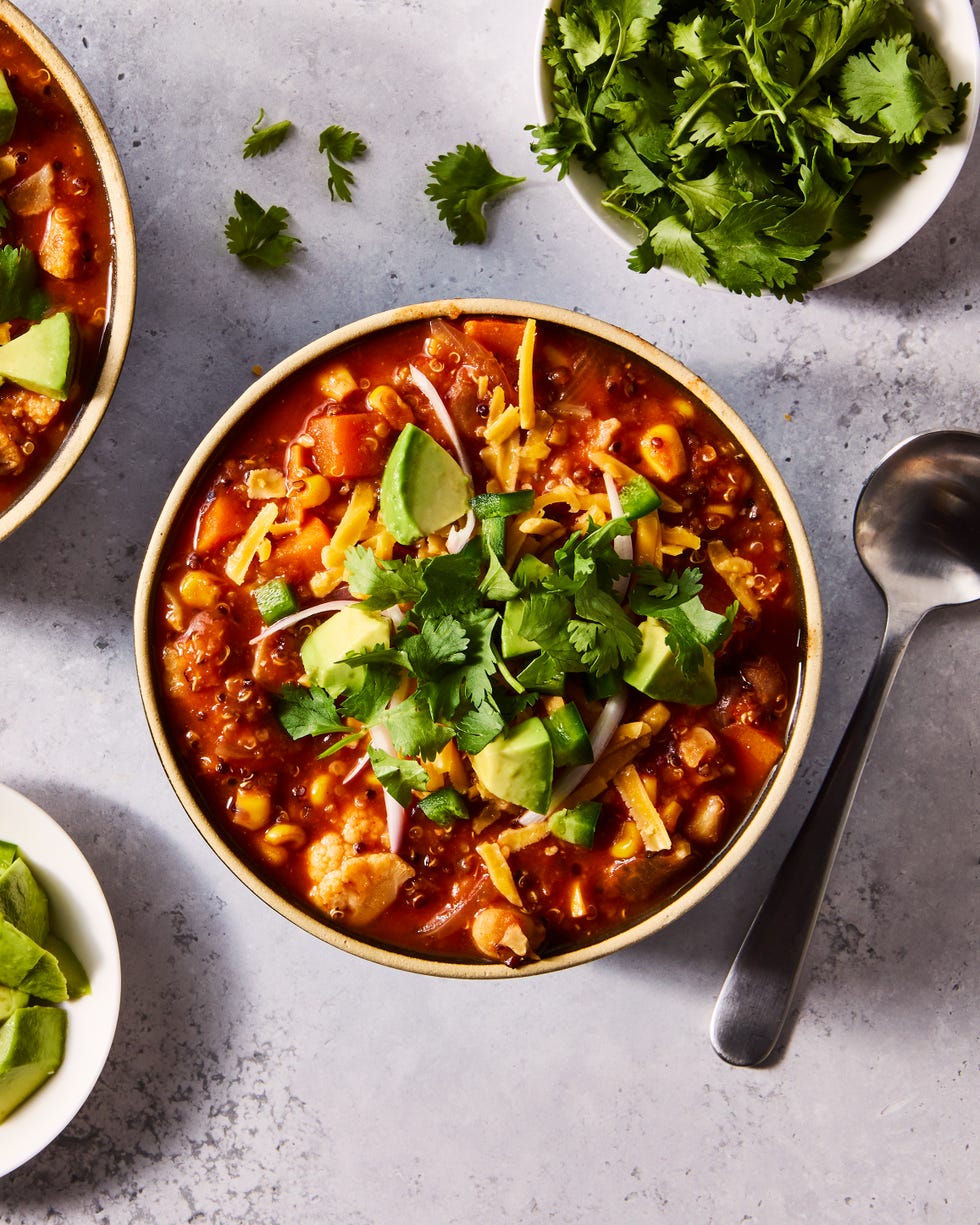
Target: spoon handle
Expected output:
[755,999]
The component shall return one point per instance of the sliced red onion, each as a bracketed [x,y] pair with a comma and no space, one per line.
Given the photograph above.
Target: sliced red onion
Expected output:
[622,545]
[394,812]
[605,726]
[424,384]
[357,767]
[294,618]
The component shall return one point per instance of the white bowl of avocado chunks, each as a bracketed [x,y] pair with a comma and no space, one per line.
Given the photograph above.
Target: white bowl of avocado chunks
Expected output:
[59,980]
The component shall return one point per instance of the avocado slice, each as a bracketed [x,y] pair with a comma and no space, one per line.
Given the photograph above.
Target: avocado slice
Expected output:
[45,980]
[19,954]
[8,110]
[423,489]
[346,632]
[12,998]
[512,641]
[23,902]
[76,978]
[518,765]
[8,853]
[42,359]
[656,673]
[32,1046]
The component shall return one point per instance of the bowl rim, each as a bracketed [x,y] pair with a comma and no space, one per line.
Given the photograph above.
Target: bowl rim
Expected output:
[717,868]
[894,224]
[79,905]
[122,282]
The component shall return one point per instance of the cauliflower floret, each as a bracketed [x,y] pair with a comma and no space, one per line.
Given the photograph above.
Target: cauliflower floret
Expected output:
[362,887]
[365,828]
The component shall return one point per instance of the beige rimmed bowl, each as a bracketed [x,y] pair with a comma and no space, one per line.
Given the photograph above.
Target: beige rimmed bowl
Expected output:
[122,284]
[317,924]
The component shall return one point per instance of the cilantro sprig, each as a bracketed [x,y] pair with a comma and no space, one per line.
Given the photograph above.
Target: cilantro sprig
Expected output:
[737,136]
[461,184]
[20,296]
[341,146]
[257,234]
[264,140]
[692,629]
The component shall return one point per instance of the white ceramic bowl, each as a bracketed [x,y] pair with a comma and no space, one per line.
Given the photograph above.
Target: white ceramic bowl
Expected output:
[898,212]
[80,915]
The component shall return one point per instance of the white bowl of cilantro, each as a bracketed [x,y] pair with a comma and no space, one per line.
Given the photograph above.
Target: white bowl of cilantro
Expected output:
[767,156]
[79,918]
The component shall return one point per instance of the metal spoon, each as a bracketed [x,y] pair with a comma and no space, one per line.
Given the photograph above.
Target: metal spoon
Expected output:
[917,532]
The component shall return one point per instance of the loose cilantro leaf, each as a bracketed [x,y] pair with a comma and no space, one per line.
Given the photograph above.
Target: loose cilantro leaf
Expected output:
[737,135]
[264,139]
[308,712]
[341,146]
[258,234]
[461,184]
[414,731]
[398,777]
[20,297]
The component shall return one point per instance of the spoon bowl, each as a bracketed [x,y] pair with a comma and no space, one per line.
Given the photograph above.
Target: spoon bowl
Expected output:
[917,524]
[917,532]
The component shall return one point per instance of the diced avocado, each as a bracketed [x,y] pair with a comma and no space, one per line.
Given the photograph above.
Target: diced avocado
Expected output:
[76,979]
[518,766]
[45,979]
[12,998]
[43,357]
[19,954]
[8,110]
[32,1046]
[656,673]
[423,489]
[351,630]
[23,902]
[512,642]
[8,853]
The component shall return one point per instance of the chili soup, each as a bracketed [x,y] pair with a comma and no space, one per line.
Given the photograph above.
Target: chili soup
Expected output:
[478,638]
[64,216]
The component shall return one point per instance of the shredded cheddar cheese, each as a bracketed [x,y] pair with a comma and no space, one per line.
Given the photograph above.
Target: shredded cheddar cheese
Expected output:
[525,377]
[500,873]
[248,547]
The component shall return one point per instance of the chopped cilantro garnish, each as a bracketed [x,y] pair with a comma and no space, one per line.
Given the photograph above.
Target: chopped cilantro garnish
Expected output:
[461,184]
[258,234]
[737,135]
[673,600]
[264,139]
[398,776]
[308,712]
[340,146]
[20,297]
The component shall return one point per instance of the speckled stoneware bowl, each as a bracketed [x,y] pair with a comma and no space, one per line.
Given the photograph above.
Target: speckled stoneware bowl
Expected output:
[738,845]
[122,286]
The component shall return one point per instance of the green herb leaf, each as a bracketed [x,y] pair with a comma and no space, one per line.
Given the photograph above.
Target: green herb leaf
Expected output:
[340,146]
[462,182]
[383,583]
[398,777]
[308,712]
[20,297]
[257,235]
[264,140]
[691,628]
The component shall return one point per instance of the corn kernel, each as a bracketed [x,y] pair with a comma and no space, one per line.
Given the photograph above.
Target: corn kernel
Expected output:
[309,491]
[628,843]
[663,453]
[252,809]
[287,834]
[276,855]
[198,589]
[318,790]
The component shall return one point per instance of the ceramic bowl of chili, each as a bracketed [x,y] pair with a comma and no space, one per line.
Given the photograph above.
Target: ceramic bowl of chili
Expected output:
[479,638]
[67,243]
